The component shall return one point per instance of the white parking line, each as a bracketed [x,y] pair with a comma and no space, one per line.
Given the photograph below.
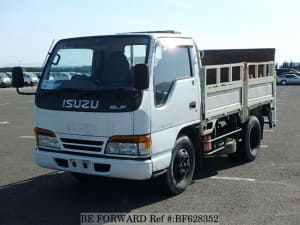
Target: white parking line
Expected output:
[27,137]
[3,104]
[233,178]
[59,172]
[269,130]
[264,146]
[4,122]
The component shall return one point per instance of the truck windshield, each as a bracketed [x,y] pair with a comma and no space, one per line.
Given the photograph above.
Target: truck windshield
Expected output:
[94,63]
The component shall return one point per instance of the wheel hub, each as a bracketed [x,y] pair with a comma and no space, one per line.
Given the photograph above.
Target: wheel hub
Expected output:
[182,165]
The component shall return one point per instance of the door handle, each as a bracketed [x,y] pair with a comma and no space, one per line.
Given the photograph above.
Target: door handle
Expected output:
[192,105]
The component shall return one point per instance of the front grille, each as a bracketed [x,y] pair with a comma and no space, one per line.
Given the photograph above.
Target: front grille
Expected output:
[83,145]
[77,141]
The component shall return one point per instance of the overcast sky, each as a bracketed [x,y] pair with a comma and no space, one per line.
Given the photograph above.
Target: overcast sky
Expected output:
[27,27]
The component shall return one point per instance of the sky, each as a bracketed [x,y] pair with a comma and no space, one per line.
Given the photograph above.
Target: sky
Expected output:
[28,27]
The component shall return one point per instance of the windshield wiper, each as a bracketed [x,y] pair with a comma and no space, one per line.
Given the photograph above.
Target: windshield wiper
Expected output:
[88,78]
[105,89]
[92,91]
[118,89]
[60,90]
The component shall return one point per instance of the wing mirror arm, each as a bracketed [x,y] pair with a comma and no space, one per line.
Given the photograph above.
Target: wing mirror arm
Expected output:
[25,93]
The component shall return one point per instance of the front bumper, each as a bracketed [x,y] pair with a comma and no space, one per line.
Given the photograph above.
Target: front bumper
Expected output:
[108,167]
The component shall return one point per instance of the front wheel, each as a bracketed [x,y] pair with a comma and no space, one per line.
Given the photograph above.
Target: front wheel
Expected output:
[182,166]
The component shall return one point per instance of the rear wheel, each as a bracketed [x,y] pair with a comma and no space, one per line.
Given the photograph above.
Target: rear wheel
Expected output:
[182,166]
[251,139]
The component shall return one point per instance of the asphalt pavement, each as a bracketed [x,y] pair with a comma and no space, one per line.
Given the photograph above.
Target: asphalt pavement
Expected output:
[266,191]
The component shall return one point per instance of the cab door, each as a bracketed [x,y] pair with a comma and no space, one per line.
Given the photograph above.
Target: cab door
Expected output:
[176,100]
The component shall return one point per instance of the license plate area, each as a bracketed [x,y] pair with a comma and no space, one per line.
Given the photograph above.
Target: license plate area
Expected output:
[80,165]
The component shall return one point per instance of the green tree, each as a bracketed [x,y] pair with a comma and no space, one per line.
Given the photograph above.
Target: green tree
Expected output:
[285,65]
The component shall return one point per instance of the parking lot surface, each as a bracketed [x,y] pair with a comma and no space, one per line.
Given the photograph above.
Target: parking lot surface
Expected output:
[266,191]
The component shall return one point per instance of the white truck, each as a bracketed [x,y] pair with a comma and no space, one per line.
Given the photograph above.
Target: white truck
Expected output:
[147,104]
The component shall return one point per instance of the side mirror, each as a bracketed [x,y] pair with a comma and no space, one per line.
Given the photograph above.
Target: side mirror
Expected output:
[17,77]
[141,76]
[18,80]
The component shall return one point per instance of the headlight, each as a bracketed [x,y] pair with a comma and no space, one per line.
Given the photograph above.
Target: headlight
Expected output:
[122,148]
[129,145]
[47,141]
[46,138]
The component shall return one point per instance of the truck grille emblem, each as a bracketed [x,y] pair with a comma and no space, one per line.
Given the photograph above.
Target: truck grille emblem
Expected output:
[80,104]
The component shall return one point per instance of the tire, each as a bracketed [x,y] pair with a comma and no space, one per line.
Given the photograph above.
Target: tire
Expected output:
[182,166]
[283,82]
[251,139]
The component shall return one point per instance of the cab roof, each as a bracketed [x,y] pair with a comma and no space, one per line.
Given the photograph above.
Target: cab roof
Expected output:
[157,34]
[151,34]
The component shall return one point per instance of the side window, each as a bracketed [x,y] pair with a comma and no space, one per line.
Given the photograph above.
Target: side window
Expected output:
[135,54]
[170,64]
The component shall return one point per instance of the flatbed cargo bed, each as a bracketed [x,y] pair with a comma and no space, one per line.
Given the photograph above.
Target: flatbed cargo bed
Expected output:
[237,87]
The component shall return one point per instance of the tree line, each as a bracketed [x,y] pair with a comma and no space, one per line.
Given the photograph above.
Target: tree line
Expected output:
[290,65]
[25,69]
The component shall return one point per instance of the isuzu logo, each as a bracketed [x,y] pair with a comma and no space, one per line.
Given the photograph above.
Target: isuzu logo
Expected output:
[80,104]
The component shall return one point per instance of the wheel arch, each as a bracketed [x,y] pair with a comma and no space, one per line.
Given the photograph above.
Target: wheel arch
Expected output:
[192,132]
[183,161]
